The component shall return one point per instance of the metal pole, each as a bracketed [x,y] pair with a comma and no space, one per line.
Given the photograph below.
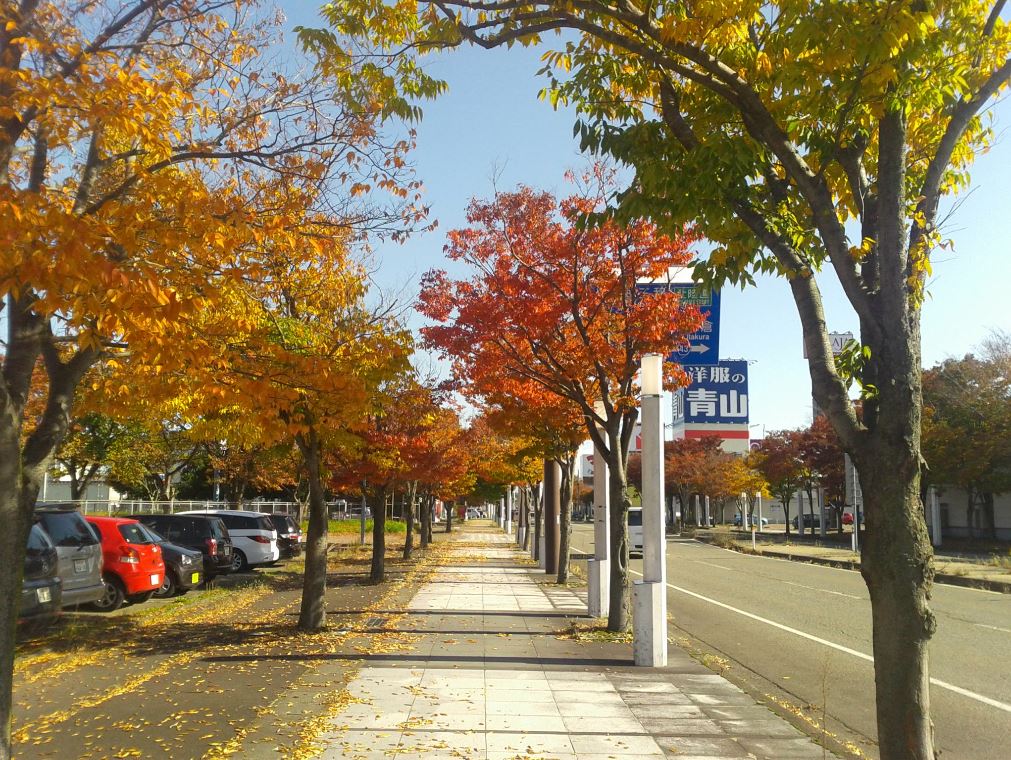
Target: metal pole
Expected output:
[759,497]
[598,568]
[649,645]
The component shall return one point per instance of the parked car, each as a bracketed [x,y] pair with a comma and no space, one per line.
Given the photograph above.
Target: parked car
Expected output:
[810,521]
[41,594]
[737,520]
[254,540]
[290,540]
[184,568]
[132,567]
[635,530]
[206,534]
[79,554]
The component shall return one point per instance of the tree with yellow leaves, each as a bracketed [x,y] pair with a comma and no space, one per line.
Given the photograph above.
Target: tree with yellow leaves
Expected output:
[149,157]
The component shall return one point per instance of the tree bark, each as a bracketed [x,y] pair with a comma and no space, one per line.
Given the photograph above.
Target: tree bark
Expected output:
[538,512]
[449,517]
[565,526]
[409,537]
[896,565]
[618,614]
[423,514]
[312,613]
[378,572]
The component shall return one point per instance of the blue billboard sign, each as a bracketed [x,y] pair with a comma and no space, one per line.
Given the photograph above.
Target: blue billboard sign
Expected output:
[703,345]
[716,394]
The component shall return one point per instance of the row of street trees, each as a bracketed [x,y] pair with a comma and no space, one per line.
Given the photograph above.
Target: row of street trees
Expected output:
[807,140]
[181,211]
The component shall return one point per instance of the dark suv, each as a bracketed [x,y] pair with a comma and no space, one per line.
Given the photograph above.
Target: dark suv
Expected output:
[289,535]
[206,534]
[40,589]
[79,552]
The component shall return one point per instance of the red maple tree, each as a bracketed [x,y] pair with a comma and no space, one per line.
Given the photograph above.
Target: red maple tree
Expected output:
[554,303]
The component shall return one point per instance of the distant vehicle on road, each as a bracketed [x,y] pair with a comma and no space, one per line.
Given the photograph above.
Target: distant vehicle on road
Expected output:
[635,531]
[737,520]
[132,565]
[40,587]
[79,551]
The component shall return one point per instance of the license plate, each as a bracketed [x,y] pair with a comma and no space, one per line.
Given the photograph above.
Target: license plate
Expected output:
[80,565]
[43,595]
[195,578]
[156,579]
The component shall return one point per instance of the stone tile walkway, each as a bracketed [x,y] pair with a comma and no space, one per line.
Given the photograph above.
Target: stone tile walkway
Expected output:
[490,677]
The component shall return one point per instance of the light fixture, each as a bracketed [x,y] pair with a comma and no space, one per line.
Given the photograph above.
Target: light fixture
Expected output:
[651,375]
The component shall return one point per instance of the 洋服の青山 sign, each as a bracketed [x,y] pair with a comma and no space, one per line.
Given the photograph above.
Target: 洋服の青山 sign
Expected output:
[716,394]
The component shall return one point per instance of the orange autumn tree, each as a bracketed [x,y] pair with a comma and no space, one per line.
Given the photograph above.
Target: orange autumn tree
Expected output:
[555,303]
[149,157]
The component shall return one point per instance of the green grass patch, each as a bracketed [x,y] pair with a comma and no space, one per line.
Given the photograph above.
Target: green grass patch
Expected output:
[353,525]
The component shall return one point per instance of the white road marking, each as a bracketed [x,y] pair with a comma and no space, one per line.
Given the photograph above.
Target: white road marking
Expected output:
[711,564]
[823,590]
[992,627]
[839,647]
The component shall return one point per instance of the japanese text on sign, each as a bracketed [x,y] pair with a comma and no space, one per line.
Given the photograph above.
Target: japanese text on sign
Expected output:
[717,393]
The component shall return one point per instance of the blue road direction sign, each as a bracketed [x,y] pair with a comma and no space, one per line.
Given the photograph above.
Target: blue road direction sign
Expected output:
[704,345]
[717,394]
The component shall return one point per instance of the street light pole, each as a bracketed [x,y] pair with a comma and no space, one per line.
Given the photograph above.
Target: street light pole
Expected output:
[649,643]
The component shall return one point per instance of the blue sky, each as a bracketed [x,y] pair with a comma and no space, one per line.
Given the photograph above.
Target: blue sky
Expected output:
[491,124]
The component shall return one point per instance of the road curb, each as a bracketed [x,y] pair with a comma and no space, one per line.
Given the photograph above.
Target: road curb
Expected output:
[1001,587]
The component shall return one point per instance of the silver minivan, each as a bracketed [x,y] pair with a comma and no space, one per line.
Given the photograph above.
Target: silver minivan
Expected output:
[79,554]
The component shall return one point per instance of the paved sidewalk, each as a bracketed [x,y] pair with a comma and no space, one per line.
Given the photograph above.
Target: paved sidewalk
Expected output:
[489,675]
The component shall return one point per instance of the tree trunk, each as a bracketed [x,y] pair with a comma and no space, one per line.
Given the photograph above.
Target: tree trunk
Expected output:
[525,501]
[378,572]
[449,517]
[538,512]
[13,541]
[896,565]
[618,617]
[565,523]
[409,537]
[423,513]
[312,613]
[785,500]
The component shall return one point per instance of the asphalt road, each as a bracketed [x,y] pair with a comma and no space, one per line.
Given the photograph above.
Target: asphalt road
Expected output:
[803,632]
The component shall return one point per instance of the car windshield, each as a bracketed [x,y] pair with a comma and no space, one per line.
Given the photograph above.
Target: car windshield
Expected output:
[134,533]
[67,529]
[292,527]
[635,517]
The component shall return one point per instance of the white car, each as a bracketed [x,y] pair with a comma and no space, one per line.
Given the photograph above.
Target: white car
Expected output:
[635,531]
[254,539]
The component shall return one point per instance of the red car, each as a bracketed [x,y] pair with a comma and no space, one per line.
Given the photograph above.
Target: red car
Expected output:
[132,564]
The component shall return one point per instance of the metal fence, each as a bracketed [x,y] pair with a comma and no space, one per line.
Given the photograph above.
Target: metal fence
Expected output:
[338,509]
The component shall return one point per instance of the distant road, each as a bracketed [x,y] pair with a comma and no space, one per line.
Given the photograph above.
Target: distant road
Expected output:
[805,631]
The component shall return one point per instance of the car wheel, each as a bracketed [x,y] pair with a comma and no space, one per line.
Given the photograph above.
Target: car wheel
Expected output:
[113,597]
[169,587]
[239,563]
[140,598]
